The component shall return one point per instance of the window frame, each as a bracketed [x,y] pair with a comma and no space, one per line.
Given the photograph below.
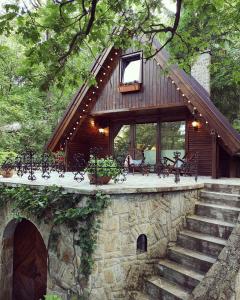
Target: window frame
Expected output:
[130,57]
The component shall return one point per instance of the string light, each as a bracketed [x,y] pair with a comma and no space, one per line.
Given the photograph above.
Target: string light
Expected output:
[200,115]
[178,89]
[86,105]
[74,128]
[116,53]
[97,86]
[100,80]
[90,99]
[93,92]
[183,95]
[173,82]
[83,111]
[218,136]
[189,101]
[111,59]
[104,73]
[108,67]
[206,122]
[70,133]
[68,138]
[80,117]
[77,122]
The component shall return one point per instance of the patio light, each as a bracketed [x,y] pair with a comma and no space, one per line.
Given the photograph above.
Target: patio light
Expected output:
[101,131]
[195,124]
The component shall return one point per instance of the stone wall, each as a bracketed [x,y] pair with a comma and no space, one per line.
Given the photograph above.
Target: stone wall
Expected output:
[118,267]
[222,281]
[157,215]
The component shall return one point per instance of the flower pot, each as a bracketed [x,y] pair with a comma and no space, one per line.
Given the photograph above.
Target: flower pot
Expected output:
[126,88]
[98,179]
[7,173]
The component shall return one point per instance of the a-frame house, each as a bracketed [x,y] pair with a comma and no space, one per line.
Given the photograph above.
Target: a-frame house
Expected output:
[96,114]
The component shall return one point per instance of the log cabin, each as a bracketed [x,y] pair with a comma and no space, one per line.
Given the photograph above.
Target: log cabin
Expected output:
[136,103]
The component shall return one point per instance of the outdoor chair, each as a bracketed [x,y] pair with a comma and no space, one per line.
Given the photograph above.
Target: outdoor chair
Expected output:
[161,168]
[138,163]
[186,166]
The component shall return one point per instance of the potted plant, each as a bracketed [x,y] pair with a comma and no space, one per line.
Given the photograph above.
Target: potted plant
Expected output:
[6,163]
[102,170]
[129,87]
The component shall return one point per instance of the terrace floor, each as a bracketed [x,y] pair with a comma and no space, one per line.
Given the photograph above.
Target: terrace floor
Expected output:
[134,183]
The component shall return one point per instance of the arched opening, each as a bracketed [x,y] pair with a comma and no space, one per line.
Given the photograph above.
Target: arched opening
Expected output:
[142,243]
[24,262]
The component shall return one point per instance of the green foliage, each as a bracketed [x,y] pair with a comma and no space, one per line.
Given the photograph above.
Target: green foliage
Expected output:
[104,167]
[39,75]
[52,297]
[53,204]
[214,26]
[4,155]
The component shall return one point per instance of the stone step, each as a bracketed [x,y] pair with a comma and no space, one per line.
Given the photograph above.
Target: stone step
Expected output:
[160,288]
[220,198]
[190,258]
[177,273]
[220,212]
[225,188]
[201,242]
[136,295]
[217,228]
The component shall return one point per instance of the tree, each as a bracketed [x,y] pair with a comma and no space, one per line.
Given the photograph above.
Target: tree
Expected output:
[214,26]
[55,30]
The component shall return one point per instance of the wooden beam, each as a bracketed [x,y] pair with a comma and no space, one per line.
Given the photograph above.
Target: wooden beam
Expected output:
[215,156]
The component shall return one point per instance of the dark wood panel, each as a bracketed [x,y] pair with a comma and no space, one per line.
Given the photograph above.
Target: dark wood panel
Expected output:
[87,137]
[157,89]
[200,141]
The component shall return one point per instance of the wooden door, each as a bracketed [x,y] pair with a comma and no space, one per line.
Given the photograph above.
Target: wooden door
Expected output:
[29,263]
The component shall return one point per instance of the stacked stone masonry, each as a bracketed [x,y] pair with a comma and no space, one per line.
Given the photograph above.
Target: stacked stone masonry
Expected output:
[118,267]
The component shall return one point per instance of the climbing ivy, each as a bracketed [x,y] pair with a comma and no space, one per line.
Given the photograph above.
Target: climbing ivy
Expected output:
[54,204]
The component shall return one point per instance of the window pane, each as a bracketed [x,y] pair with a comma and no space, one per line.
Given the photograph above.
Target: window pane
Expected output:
[131,72]
[146,135]
[172,138]
[121,142]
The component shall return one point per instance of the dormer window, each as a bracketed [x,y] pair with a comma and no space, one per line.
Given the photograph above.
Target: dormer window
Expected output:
[130,72]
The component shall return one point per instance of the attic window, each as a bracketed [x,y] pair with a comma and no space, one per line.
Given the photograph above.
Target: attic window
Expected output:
[130,72]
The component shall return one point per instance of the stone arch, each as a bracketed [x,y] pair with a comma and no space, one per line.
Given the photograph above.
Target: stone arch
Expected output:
[142,243]
[23,252]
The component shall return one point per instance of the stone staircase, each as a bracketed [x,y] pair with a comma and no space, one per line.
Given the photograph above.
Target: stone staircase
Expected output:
[198,245]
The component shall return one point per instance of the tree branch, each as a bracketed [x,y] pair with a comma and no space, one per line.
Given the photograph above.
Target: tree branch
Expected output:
[172,29]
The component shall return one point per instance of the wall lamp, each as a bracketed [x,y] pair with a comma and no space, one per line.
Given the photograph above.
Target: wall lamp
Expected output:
[101,131]
[196,124]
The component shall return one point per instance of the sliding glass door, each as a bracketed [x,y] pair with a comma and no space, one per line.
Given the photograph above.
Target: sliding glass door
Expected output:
[172,138]
[146,141]
[155,140]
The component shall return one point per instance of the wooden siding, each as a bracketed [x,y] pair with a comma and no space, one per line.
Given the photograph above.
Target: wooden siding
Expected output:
[85,138]
[200,141]
[157,90]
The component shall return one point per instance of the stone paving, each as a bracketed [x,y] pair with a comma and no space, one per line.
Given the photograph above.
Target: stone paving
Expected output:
[134,183]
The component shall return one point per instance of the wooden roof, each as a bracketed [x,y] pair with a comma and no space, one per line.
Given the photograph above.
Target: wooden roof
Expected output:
[195,96]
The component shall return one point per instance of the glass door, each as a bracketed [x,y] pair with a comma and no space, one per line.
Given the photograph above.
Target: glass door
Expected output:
[146,141]
[172,138]
[122,142]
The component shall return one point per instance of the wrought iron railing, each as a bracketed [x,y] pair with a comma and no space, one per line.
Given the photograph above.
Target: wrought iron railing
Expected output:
[29,163]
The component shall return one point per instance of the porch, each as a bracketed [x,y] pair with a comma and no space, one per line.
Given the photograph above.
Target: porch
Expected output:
[134,183]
